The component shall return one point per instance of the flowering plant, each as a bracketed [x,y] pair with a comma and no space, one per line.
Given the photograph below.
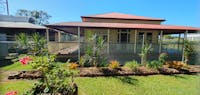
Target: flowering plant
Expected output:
[25,60]
[73,65]
[114,64]
[11,93]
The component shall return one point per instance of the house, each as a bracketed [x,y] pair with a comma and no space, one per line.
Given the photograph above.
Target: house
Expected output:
[194,37]
[124,34]
[10,26]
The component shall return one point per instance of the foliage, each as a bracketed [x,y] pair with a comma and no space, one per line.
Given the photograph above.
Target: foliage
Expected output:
[39,17]
[73,65]
[176,64]
[169,37]
[188,51]
[36,46]
[25,60]
[131,64]
[43,63]
[144,52]
[22,40]
[56,78]
[39,45]
[114,64]
[93,55]
[162,58]
[154,64]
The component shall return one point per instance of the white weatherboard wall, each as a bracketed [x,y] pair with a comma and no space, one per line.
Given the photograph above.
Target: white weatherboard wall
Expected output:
[3,46]
[194,37]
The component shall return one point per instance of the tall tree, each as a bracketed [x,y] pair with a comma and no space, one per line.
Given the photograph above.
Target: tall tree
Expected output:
[39,17]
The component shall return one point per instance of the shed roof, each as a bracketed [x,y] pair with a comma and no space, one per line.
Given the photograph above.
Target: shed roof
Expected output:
[124,25]
[4,24]
[115,15]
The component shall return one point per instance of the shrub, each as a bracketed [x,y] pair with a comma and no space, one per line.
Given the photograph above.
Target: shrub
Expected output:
[73,65]
[114,64]
[188,51]
[162,57]
[93,51]
[176,64]
[56,78]
[154,64]
[37,45]
[131,64]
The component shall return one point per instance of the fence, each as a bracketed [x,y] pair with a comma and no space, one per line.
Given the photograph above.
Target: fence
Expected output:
[120,51]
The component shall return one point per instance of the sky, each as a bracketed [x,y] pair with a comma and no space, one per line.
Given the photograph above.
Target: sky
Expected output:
[176,12]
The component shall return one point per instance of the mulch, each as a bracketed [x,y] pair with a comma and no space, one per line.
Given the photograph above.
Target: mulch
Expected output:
[105,71]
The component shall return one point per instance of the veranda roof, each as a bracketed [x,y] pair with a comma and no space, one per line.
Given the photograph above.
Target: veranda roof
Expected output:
[115,15]
[123,25]
[5,24]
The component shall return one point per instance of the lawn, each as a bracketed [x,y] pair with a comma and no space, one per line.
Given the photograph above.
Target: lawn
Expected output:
[140,85]
[16,67]
[131,85]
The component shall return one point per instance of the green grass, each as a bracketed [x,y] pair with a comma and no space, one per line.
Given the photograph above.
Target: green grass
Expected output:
[16,67]
[16,85]
[140,85]
[133,85]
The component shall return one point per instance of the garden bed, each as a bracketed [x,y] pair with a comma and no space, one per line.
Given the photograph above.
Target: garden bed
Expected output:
[105,71]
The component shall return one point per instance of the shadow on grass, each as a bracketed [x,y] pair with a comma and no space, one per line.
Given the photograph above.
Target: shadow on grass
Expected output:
[127,79]
[178,76]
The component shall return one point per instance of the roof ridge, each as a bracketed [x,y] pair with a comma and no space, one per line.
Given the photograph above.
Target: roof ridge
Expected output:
[118,15]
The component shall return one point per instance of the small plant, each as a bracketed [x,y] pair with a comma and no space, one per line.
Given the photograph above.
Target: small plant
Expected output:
[11,93]
[188,51]
[73,65]
[37,45]
[25,60]
[176,64]
[56,78]
[114,64]
[131,64]
[22,41]
[154,64]
[93,51]
[144,52]
[162,57]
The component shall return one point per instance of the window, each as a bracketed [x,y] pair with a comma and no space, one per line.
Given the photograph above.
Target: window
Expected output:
[52,36]
[123,36]
[140,37]
[105,38]
[149,37]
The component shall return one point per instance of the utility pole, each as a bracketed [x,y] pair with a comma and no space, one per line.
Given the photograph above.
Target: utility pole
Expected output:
[7,7]
[4,6]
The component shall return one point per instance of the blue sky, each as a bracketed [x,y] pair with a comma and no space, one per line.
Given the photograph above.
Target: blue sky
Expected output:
[176,12]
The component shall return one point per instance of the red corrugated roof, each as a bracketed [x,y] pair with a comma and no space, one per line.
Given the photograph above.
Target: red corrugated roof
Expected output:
[125,25]
[121,16]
